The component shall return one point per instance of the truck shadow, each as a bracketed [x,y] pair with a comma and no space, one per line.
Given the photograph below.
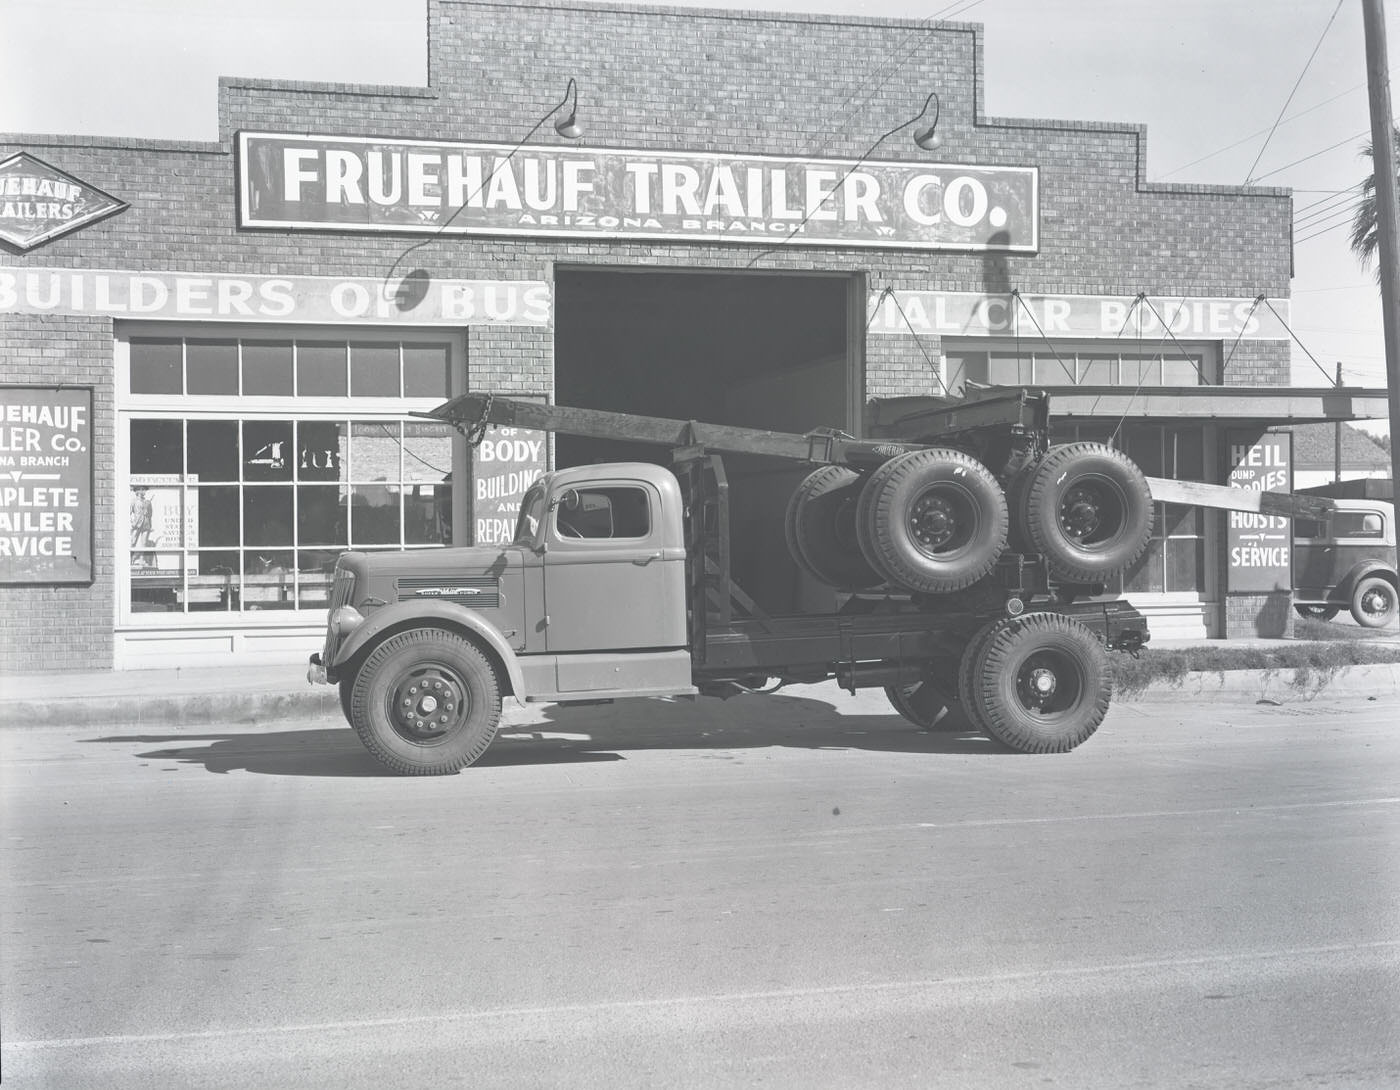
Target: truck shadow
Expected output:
[550,734]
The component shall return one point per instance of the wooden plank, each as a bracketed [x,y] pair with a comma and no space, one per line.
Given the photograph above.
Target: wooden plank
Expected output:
[1223,497]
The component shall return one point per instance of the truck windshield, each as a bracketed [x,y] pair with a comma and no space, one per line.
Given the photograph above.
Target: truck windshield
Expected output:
[531,511]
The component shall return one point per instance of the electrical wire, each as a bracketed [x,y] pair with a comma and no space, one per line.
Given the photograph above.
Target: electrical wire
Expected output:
[1250,175]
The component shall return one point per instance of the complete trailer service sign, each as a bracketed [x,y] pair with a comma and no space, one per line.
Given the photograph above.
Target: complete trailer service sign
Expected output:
[373,184]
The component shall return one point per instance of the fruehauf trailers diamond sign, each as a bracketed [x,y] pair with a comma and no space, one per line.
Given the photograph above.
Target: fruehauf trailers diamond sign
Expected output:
[371,184]
[39,202]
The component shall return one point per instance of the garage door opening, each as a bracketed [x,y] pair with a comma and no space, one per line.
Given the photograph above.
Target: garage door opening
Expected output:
[753,350]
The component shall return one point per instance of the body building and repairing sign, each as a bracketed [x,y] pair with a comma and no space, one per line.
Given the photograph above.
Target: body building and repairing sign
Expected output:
[506,463]
[1260,546]
[245,297]
[45,484]
[372,184]
[979,314]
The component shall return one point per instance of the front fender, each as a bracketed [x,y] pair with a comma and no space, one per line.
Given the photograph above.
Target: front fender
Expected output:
[1362,570]
[404,615]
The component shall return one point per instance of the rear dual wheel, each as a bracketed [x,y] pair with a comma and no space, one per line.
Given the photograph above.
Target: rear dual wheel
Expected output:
[1037,683]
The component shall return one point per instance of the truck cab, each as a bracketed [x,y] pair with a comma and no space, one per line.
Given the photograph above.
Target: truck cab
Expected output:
[1345,560]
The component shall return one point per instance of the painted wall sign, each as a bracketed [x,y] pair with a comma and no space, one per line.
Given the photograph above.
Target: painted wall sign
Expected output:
[371,184]
[1260,546]
[45,484]
[39,202]
[248,298]
[975,314]
[507,462]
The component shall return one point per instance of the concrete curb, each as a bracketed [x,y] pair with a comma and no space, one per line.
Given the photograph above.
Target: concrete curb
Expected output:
[323,702]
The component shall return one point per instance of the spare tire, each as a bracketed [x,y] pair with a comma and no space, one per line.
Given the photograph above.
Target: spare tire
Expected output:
[1086,508]
[821,529]
[932,521]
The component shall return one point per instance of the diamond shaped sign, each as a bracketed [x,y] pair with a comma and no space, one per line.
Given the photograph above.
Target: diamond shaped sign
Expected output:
[39,202]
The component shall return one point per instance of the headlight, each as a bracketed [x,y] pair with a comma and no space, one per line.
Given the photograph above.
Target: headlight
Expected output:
[344,620]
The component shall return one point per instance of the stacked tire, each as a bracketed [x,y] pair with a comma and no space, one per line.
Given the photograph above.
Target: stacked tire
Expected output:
[936,521]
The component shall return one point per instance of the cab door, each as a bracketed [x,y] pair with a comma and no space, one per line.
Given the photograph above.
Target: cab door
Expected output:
[610,582]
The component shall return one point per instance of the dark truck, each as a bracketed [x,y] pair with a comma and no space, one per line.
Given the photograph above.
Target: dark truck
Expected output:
[1344,558]
[969,562]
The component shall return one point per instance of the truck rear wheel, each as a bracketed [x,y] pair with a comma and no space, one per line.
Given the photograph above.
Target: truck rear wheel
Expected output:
[923,705]
[933,520]
[1373,602]
[1086,508]
[426,702]
[1039,683]
[1317,613]
[821,529]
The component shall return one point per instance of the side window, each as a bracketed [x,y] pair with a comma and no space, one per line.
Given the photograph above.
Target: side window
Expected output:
[1309,528]
[604,513]
[1357,524]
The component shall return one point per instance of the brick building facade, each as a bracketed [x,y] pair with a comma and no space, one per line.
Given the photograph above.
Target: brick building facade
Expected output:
[737,86]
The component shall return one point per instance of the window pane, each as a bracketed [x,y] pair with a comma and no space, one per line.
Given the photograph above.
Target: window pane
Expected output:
[1008,371]
[1180,372]
[267,450]
[321,448]
[1050,370]
[320,369]
[156,366]
[267,516]
[374,515]
[425,370]
[1141,373]
[321,515]
[1144,446]
[158,587]
[1182,521]
[267,368]
[159,520]
[213,366]
[1185,564]
[268,580]
[374,370]
[374,451]
[218,515]
[213,450]
[315,568]
[427,514]
[1190,454]
[213,584]
[1146,574]
[427,450]
[1096,371]
[157,446]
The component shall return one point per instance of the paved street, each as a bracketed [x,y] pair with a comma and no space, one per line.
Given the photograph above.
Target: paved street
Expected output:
[788,891]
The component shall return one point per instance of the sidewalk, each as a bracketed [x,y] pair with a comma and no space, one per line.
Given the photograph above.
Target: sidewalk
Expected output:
[280,691]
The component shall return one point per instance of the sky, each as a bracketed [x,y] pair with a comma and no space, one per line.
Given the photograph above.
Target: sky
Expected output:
[1230,90]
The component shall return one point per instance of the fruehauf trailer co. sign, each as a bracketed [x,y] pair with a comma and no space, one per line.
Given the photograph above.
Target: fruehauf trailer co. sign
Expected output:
[371,184]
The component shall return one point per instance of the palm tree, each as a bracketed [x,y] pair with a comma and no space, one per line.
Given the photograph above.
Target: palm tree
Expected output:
[1365,227]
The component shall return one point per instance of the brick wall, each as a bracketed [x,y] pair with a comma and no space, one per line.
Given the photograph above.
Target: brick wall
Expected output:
[680,79]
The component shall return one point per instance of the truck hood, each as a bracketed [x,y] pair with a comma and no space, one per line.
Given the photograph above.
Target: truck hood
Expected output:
[470,575]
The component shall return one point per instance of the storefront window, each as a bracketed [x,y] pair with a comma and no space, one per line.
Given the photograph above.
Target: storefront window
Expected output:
[234,511]
[1027,364]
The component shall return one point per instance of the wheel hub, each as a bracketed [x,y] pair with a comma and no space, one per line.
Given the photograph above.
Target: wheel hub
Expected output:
[426,704]
[933,521]
[1079,513]
[1040,684]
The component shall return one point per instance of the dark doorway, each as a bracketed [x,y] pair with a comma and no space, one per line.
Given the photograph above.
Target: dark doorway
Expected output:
[754,350]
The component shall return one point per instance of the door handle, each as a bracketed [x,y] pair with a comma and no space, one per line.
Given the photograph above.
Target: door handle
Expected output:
[642,561]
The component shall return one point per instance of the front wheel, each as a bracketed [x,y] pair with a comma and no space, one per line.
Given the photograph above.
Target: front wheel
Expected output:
[1038,683]
[1373,602]
[426,703]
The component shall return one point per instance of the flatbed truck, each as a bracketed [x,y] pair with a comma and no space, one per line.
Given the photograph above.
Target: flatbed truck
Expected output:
[968,564]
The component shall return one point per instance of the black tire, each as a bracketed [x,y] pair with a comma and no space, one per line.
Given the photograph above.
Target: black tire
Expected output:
[1317,613]
[1086,508]
[347,693]
[1040,683]
[924,706]
[966,674]
[1373,603]
[426,702]
[821,529]
[932,521]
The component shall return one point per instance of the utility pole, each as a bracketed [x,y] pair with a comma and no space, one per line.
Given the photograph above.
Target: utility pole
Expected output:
[1337,436]
[1383,150]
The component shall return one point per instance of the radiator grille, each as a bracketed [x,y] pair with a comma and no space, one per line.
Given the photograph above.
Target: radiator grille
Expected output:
[342,590]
